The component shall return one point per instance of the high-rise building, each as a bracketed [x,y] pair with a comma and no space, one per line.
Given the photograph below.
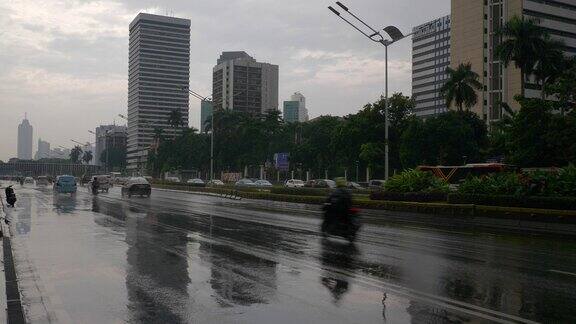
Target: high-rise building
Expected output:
[112,136]
[205,114]
[474,40]
[430,58]
[25,134]
[240,83]
[43,151]
[290,111]
[159,72]
[295,109]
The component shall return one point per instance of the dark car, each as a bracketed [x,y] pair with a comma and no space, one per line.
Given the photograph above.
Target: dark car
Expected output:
[136,186]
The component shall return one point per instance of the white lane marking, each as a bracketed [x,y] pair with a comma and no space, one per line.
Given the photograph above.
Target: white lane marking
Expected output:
[563,272]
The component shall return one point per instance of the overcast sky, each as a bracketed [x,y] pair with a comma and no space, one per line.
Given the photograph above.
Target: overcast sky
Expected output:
[65,62]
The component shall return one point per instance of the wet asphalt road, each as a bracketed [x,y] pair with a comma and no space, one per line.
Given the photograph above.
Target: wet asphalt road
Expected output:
[181,258]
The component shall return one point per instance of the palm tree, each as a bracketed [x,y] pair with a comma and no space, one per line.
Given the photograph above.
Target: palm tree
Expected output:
[75,154]
[87,157]
[460,87]
[523,41]
[551,62]
[175,119]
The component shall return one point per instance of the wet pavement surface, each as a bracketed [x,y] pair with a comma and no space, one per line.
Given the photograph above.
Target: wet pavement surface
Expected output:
[181,258]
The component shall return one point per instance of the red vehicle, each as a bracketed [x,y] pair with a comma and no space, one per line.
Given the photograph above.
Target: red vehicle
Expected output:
[457,174]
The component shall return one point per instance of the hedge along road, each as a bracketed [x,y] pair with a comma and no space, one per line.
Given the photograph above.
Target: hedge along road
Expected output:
[189,258]
[516,219]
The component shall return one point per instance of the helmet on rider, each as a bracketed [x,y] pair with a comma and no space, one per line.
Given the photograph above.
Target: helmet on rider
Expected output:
[340,182]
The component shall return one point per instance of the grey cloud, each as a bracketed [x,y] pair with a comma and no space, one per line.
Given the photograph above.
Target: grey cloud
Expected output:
[271,30]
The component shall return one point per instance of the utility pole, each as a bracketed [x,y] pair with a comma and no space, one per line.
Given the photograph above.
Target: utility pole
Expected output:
[375,36]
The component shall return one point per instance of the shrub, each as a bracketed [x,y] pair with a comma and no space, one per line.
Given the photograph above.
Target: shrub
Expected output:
[409,196]
[560,203]
[300,191]
[411,181]
[494,184]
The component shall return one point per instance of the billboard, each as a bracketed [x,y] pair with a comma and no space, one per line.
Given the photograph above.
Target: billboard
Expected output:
[281,161]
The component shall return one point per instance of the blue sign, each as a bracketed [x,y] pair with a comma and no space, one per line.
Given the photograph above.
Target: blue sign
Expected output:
[281,161]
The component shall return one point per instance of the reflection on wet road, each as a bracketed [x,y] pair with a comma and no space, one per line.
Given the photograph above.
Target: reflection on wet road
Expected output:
[180,258]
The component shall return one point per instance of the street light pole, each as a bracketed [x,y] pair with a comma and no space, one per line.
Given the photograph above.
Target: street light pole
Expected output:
[395,34]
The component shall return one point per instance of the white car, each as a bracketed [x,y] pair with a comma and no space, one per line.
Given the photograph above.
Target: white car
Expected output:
[215,183]
[172,179]
[29,180]
[196,182]
[263,183]
[294,183]
[244,183]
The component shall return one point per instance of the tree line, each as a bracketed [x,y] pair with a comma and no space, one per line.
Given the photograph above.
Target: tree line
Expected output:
[540,134]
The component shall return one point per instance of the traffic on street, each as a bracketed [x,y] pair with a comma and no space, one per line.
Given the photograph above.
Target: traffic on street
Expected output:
[176,257]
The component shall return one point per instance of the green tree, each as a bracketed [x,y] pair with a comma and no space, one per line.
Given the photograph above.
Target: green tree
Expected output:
[87,157]
[460,86]
[116,158]
[522,41]
[372,154]
[175,119]
[550,64]
[75,154]
[564,86]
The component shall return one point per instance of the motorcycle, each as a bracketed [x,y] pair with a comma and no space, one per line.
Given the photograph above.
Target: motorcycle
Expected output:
[10,196]
[345,226]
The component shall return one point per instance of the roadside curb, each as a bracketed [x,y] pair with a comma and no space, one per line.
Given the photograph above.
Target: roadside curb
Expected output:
[14,311]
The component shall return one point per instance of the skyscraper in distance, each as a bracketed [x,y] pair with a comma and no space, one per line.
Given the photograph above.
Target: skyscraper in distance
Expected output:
[25,134]
[430,58]
[294,110]
[205,114]
[158,79]
[240,83]
[43,150]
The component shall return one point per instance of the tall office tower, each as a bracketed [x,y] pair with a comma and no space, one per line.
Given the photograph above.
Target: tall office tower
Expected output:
[295,109]
[205,114]
[25,132]
[240,83]
[43,151]
[474,40]
[159,72]
[430,58]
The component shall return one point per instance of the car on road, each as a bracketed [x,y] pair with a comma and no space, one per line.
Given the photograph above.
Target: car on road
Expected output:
[136,186]
[376,184]
[104,182]
[42,181]
[294,183]
[29,180]
[321,183]
[196,182]
[263,183]
[172,179]
[65,184]
[354,185]
[215,183]
[244,183]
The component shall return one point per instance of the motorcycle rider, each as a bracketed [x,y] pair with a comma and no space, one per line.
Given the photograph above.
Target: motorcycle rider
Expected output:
[10,196]
[338,205]
[95,185]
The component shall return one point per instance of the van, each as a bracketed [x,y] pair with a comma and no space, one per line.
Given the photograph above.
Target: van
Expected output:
[104,182]
[42,181]
[65,184]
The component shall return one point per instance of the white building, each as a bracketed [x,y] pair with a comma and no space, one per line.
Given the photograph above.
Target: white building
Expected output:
[430,58]
[159,73]
[240,83]
[295,110]
[25,134]
[43,150]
